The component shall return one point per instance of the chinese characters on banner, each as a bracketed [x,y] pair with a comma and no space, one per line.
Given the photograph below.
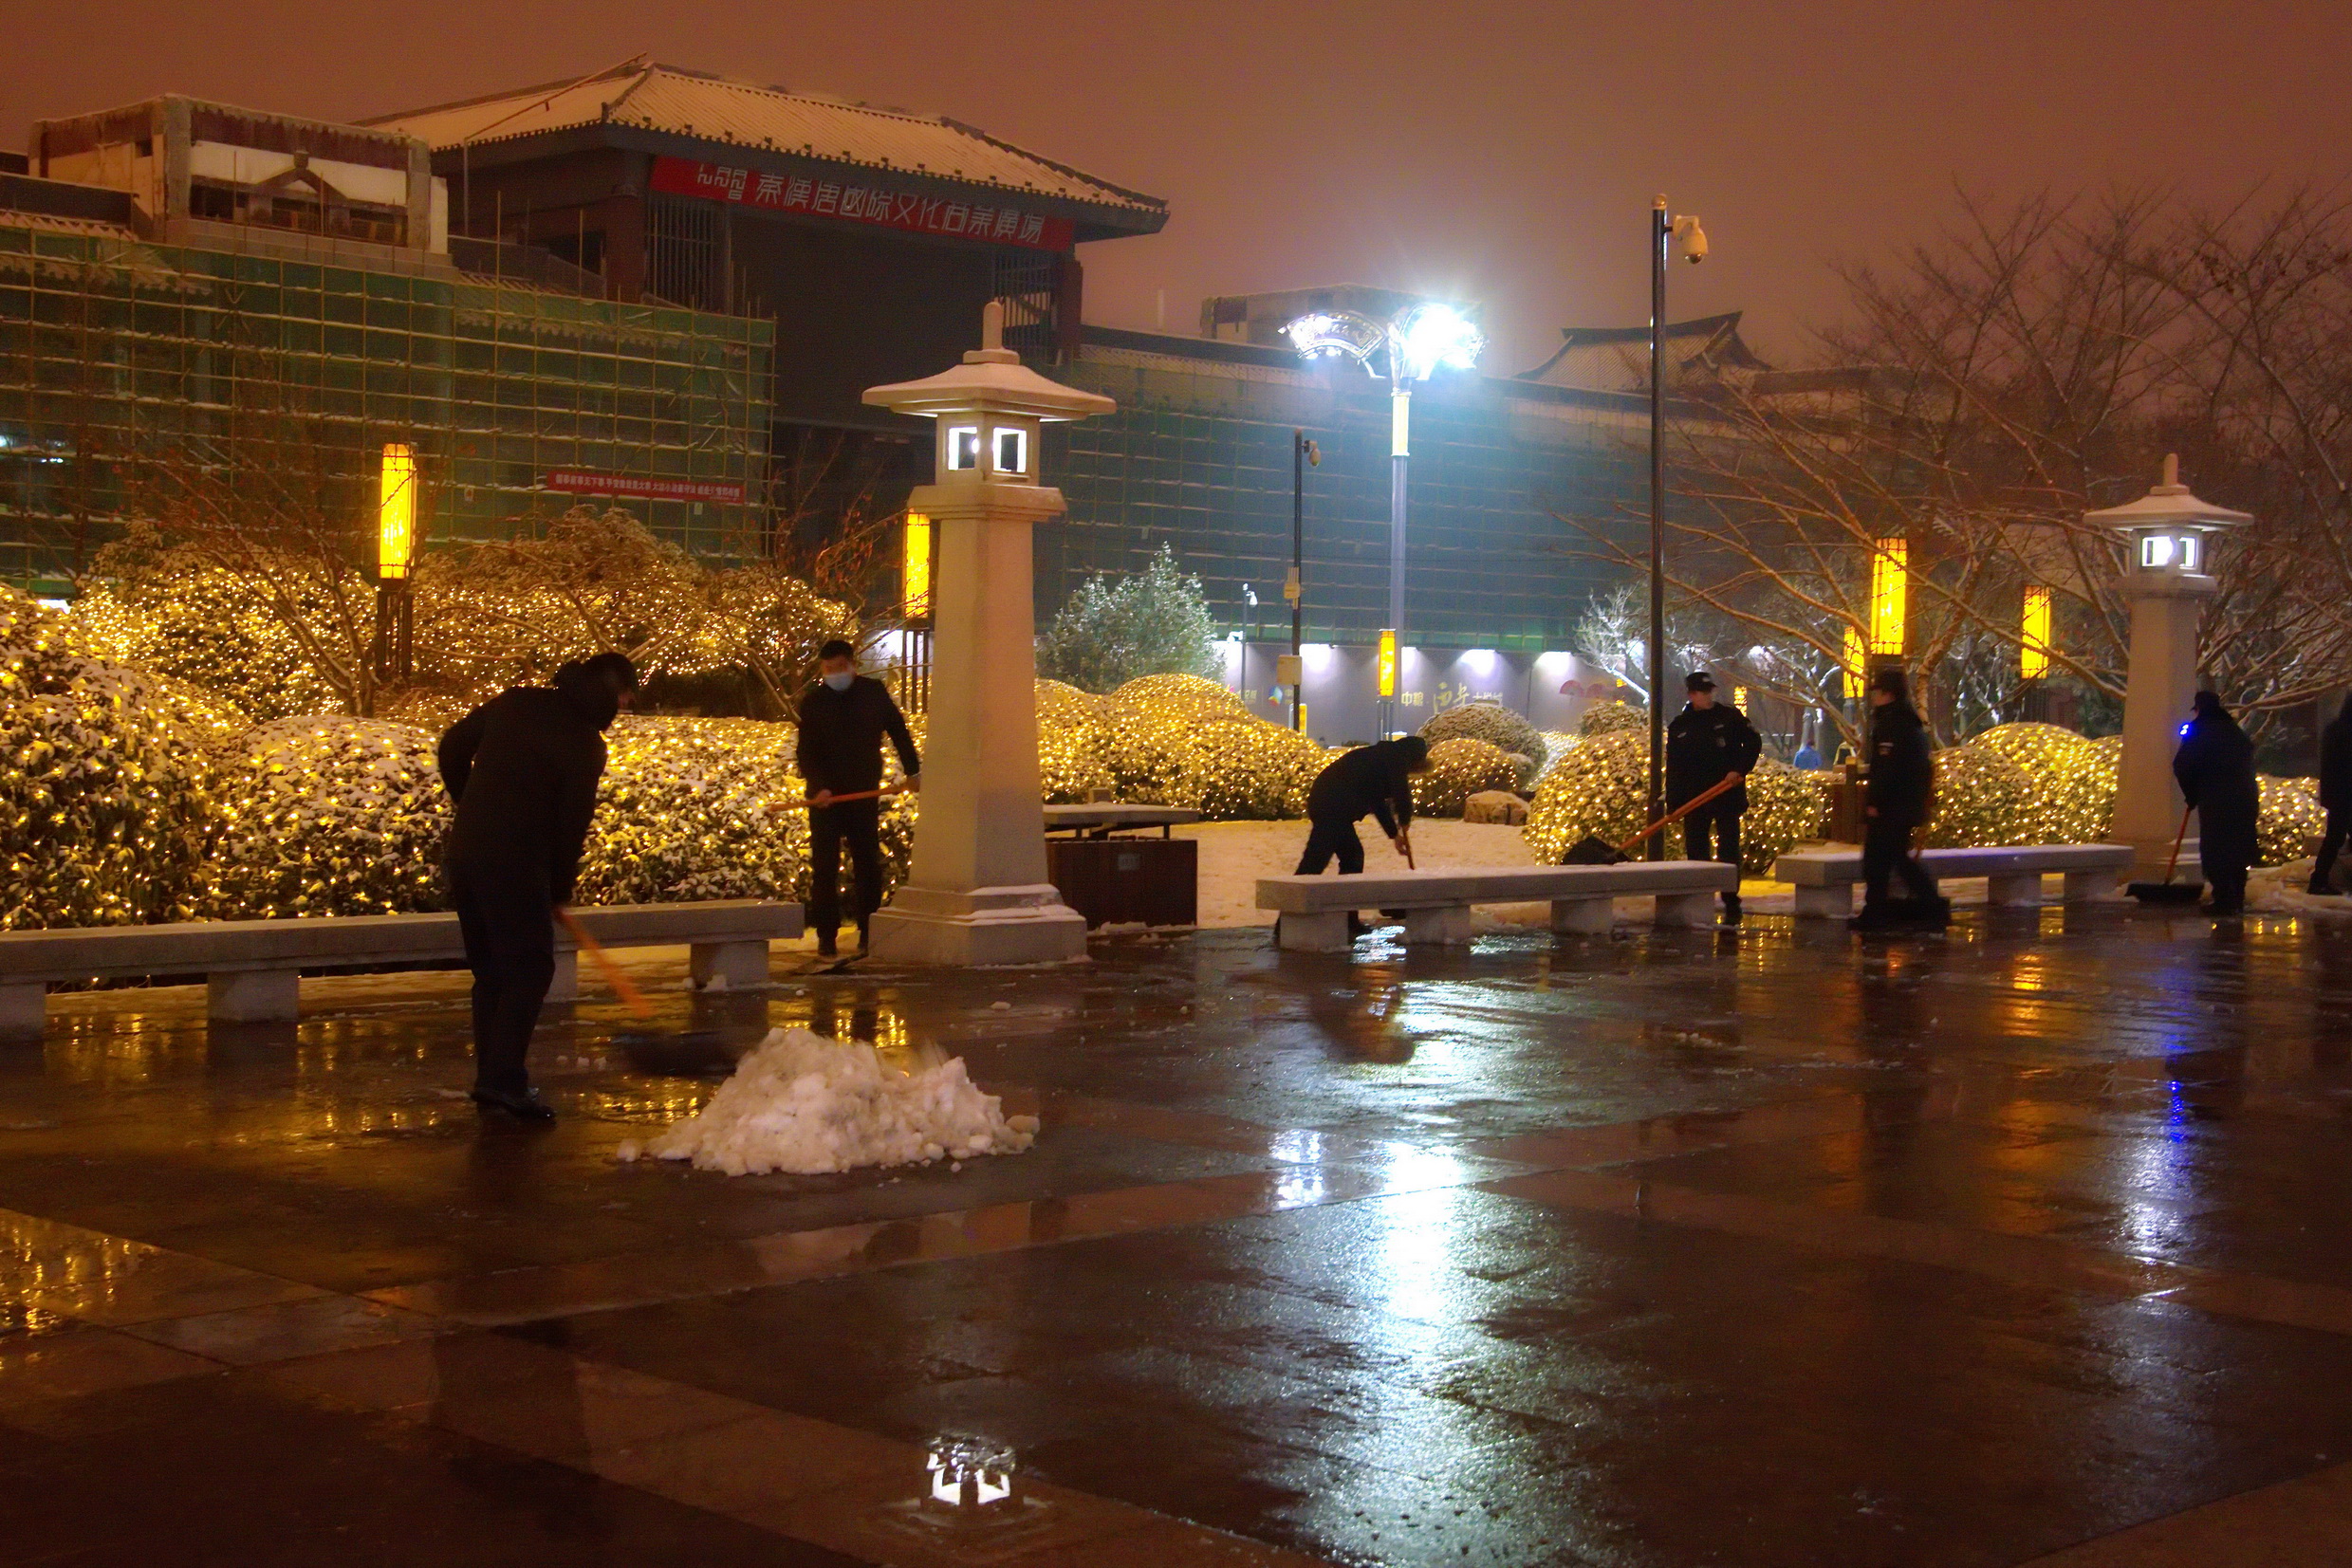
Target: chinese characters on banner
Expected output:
[588,482]
[822,197]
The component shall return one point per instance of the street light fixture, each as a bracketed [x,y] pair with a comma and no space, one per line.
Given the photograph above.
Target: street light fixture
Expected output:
[1416,343]
[1667,232]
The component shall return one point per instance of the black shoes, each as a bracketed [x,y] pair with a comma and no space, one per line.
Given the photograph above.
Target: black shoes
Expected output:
[1731,909]
[1908,915]
[826,946]
[2324,890]
[524,1105]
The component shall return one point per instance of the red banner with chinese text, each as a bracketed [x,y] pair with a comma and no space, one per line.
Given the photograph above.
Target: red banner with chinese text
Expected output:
[998,223]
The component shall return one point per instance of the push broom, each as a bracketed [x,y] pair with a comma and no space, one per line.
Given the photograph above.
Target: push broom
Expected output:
[692,1054]
[1590,851]
[2168,891]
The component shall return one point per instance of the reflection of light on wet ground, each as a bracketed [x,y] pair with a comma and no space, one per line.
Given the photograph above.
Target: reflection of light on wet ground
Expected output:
[965,1477]
[1413,1258]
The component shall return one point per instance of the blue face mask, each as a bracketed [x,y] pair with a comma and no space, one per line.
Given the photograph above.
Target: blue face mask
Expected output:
[839,680]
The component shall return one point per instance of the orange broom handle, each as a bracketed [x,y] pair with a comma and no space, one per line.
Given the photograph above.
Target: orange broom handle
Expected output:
[622,986]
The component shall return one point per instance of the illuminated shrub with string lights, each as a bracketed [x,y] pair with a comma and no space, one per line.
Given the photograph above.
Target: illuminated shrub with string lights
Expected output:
[1556,745]
[1787,806]
[1981,797]
[2291,817]
[105,788]
[2072,780]
[1488,721]
[327,815]
[683,813]
[1597,787]
[1608,718]
[1147,721]
[205,626]
[1230,769]
[1460,767]
[1073,734]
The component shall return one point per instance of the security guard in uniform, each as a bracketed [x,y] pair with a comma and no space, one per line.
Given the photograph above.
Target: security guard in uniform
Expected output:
[1709,742]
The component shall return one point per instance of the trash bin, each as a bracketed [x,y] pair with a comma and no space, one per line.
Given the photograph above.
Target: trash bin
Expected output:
[1128,881]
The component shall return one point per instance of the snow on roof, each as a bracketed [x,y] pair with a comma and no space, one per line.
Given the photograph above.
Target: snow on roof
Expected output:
[1614,359]
[690,103]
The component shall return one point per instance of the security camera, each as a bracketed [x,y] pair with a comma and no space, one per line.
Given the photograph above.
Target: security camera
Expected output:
[1691,238]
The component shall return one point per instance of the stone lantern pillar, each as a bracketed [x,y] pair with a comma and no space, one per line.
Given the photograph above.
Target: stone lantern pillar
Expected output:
[978,893]
[2168,532]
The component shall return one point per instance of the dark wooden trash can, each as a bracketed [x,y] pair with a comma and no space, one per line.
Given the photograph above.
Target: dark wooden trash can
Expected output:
[1126,881]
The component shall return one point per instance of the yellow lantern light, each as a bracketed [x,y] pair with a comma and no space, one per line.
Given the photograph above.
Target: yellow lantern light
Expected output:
[1888,583]
[918,571]
[396,511]
[2033,637]
[1388,661]
[1857,656]
[1739,698]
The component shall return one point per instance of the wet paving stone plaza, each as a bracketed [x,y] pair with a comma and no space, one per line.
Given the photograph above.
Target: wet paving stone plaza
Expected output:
[2019,1243]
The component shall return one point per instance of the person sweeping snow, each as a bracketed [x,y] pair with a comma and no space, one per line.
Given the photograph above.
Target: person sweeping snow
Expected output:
[843,721]
[523,770]
[1374,780]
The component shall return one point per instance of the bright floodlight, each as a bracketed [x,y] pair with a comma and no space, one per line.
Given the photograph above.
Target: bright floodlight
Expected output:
[1434,335]
[1337,334]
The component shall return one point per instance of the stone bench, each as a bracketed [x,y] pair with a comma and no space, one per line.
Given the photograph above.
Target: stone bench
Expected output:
[252,967]
[1824,878]
[1436,904]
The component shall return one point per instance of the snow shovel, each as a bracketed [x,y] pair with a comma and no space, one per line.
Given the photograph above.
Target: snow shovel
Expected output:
[694,1054]
[2168,891]
[1589,851]
[854,795]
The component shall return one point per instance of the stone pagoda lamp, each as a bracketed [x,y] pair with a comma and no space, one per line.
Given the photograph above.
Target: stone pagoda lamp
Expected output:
[977,891]
[2169,534]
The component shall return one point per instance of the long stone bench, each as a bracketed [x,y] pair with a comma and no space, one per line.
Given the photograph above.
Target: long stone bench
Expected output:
[1824,878]
[252,967]
[1436,904]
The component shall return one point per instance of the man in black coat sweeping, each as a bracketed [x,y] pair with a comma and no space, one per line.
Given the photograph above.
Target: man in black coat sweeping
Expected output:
[2335,797]
[2215,767]
[1708,742]
[1898,797]
[843,721]
[1375,780]
[523,769]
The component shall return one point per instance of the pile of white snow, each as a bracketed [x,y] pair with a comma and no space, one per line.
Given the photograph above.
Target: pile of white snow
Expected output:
[805,1104]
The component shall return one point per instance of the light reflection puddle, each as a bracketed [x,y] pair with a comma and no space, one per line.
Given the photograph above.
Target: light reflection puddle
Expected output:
[972,1494]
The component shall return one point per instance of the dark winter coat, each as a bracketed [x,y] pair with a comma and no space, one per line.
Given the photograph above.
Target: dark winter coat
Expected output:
[841,737]
[523,769]
[2215,766]
[1901,781]
[1702,745]
[2336,762]
[1374,778]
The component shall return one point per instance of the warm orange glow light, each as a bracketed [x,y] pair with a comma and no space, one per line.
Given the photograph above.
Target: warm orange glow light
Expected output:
[2033,639]
[396,511]
[917,573]
[1888,583]
[1388,661]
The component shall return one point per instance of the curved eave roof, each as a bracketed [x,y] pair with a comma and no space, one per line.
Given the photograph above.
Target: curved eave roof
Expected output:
[668,101]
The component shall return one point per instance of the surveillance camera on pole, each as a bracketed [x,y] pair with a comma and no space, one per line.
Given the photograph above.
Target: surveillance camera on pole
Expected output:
[1691,238]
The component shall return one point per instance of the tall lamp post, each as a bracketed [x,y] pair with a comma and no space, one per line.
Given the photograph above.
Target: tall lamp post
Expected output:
[1294,674]
[1415,345]
[1666,232]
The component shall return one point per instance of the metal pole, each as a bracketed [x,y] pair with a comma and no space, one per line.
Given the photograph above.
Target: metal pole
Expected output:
[1297,585]
[1660,226]
[1401,418]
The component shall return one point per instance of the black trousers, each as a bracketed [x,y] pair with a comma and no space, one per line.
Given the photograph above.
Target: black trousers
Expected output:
[1886,853]
[506,916]
[1712,834]
[2331,844]
[1327,837]
[858,825]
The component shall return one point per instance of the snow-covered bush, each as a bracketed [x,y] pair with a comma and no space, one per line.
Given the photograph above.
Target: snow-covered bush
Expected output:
[1073,734]
[1607,718]
[1237,768]
[327,815]
[1484,719]
[1460,767]
[684,814]
[107,795]
[1597,787]
[1115,629]
[2072,780]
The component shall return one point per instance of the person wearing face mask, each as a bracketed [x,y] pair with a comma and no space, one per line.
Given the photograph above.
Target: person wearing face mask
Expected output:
[843,721]
[523,770]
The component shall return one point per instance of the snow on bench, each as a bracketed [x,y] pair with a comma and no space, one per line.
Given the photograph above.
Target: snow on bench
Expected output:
[1824,878]
[1436,904]
[252,967]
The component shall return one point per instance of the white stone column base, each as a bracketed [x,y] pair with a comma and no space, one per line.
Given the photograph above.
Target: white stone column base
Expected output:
[24,1010]
[2022,891]
[1021,925]
[1447,925]
[1684,911]
[1584,917]
[731,965]
[253,996]
[1834,902]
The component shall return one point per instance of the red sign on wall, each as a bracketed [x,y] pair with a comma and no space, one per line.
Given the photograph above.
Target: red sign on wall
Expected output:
[982,219]
[588,482]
